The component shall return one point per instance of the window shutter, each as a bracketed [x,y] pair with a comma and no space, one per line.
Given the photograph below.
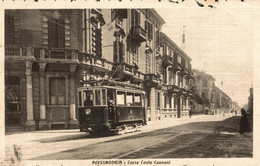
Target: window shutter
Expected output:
[122,13]
[61,34]
[122,52]
[98,42]
[150,28]
[137,18]
[52,34]
[116,51]
[132,17]
[146,26]
[9,29]
[113,14]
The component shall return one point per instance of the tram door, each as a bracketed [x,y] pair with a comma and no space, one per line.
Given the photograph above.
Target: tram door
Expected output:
[12,101]
[111,104]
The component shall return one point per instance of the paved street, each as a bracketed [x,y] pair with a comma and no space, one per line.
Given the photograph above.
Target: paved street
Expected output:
[201,136]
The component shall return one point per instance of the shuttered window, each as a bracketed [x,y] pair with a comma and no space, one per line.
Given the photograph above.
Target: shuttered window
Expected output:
[135,18]
[9,29]
[149,29]
[56,33]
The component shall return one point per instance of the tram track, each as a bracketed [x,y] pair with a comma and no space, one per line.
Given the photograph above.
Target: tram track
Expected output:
[150,145]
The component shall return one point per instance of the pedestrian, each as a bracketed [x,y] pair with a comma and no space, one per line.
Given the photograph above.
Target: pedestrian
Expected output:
[190,113]
[244,124]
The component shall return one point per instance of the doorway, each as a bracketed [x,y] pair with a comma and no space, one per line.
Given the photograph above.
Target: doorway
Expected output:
[13,107]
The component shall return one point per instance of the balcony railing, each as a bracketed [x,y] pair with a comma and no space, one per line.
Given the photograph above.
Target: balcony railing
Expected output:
[167,60]
[97,64]
[169,110]
[177,66]
[57,54]
[16,50]
[172,89]
[138,34]
[39,53]
[138,77]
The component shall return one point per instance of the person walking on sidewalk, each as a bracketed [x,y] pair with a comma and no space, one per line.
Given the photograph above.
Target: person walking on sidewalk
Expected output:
[244,124]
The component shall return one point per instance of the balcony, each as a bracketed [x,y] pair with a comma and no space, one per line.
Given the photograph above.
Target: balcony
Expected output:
[172,89]
[48,55]
[138,34]
[124,71]
[169,110]
[96,64]
[183,91]
[152,80]
[185,71]
[138,77]
[167,61]
[177,66]
[190,93]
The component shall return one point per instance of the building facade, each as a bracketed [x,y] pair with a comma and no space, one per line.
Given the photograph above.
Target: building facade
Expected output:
[223,101]
[205,84]
[49,53]
[177,77]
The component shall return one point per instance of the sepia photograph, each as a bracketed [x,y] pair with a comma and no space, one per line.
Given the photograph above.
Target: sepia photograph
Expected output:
[129,85]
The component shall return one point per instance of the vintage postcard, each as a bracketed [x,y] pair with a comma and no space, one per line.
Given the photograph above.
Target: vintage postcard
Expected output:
[127,83]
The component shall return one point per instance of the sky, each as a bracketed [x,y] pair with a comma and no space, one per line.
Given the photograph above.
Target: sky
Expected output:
[219,40]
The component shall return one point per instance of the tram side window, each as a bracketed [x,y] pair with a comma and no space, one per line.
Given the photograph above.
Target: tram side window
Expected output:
[97,97]
[130,99]
[120,98]
[104,97]
[138,100]
[88,98]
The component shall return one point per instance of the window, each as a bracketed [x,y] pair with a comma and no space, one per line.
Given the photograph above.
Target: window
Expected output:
[121,13]
[170,102]
[57,90]
[138,100]
[130,99]
[148,99]
[135,18]
[97,97]
[179,59]
[175,102]
[158,99]
[205,82]
[165,100]
[9,29]
[120,98]
[56,33]
[104,97]
[88,98]
[149,29]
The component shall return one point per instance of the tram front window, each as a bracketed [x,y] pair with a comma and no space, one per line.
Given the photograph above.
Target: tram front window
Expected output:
[88,96]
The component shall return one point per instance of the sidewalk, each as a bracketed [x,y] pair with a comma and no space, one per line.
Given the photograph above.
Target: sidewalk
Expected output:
[38,143]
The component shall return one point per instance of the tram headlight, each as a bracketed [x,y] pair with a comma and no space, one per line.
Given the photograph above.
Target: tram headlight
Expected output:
[87,111]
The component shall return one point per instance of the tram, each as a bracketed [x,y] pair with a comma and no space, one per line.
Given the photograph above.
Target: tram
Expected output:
[110,108]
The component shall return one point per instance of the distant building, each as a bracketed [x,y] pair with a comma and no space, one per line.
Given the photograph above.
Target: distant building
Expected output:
[205,84]
[223,101]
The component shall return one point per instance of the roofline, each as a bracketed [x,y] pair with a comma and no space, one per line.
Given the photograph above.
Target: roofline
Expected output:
[176,46]
[222,92]
[157,15]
